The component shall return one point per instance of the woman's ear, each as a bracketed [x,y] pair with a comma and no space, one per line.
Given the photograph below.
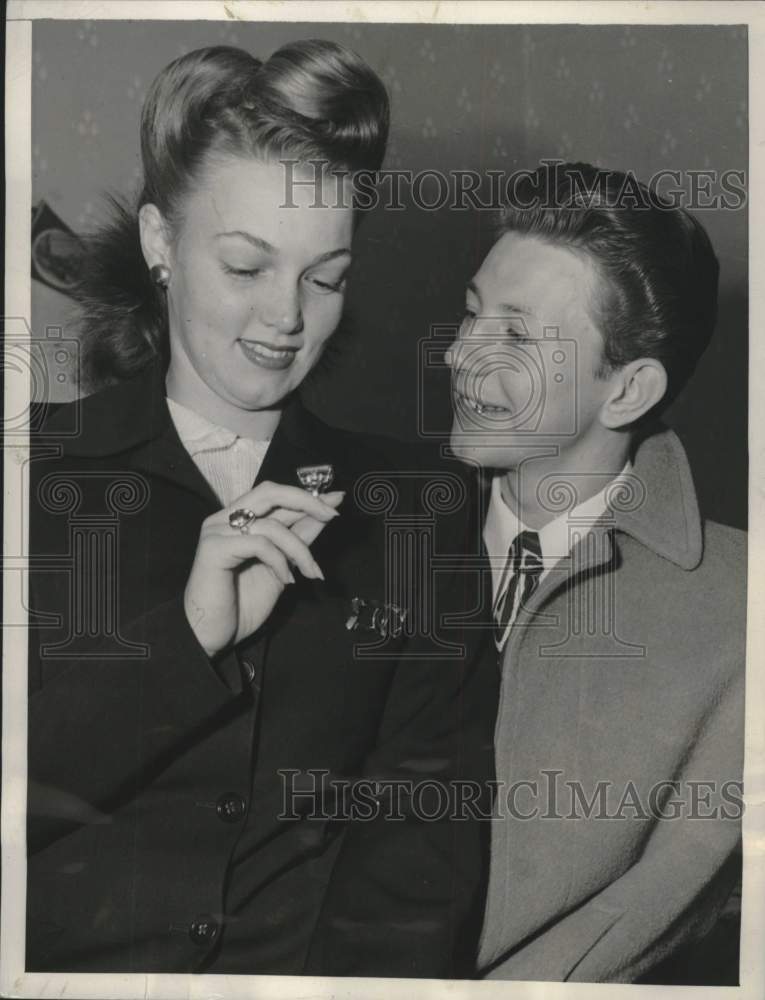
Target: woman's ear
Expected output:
[155,242]
[637,388]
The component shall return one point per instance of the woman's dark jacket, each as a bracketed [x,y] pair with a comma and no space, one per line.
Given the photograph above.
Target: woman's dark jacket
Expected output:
[157,776]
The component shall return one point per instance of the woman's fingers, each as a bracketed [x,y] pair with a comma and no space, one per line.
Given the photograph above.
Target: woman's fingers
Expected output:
[221,572]
[307,528]
[234,552]
[267,496]
[292,545]
[287,517]
[237,547]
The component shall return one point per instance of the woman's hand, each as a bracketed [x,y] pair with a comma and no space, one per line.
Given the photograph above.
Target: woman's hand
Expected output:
[237,578]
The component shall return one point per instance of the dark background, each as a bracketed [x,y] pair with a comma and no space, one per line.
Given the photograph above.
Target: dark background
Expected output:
[463,97]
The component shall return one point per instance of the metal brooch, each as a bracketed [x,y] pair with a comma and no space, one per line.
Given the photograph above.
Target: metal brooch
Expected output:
[315,478]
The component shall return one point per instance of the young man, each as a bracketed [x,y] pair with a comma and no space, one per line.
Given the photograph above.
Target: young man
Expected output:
[618,613]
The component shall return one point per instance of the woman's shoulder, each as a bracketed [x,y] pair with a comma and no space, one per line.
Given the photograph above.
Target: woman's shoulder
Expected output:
[416,476]
[105,421]
[367,448]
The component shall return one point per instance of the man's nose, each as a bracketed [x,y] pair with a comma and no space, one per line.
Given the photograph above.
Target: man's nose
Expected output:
[474,334]
[465,331]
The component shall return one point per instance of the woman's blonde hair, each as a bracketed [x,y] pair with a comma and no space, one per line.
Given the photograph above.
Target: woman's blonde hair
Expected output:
[312,100]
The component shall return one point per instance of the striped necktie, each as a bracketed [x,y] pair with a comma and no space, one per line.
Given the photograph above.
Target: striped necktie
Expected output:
[519,580]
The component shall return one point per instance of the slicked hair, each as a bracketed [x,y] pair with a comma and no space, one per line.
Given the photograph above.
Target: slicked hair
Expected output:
[658,293]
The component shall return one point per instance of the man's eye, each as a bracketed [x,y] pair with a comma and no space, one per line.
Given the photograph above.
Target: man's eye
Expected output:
[518,333]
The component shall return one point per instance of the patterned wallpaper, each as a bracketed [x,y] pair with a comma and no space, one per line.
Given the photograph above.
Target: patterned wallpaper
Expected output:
[463,97]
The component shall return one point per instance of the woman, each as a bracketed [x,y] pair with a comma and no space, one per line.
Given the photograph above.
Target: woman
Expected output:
[197,698]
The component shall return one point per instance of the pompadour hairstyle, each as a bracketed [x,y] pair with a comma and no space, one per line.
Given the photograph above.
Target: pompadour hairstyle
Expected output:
[312,100]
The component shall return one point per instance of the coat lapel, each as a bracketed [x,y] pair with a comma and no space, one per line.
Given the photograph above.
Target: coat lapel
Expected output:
[132,422]
[659,509]
[301,439]
[166,457]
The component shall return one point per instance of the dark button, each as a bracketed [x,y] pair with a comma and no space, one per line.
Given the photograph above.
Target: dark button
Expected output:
[203,930]
[249,671]
[231,807]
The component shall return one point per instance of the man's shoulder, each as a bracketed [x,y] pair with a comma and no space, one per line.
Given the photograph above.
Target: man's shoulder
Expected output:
[724,561]
[724,552]
[706,602]
[716,591]
[724,539]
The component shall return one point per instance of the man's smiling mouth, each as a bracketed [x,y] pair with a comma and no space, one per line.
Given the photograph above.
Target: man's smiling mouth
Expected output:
[479,407]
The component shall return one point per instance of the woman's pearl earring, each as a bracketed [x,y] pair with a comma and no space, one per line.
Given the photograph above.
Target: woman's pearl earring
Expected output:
[160,275]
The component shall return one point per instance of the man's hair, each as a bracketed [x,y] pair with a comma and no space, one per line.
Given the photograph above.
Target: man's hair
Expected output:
[659,290]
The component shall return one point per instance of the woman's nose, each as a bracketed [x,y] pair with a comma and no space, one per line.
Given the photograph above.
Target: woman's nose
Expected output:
[281,311]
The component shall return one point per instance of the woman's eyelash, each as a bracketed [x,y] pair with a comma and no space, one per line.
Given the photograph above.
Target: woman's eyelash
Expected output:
[251,272]
[330,286]
[241,272]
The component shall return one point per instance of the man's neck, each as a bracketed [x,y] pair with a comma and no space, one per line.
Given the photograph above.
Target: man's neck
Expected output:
[532,488]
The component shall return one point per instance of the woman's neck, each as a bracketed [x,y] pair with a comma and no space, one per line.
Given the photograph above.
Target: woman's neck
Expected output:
[259,425]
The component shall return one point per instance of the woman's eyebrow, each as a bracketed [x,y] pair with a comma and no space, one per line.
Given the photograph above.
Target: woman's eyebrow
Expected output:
[267,247]
[331,254]
[255,240]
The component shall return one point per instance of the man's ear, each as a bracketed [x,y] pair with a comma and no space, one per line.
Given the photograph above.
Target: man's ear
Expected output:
[155,241]
[636,388]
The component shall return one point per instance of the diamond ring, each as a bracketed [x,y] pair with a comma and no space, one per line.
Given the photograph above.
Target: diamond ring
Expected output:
[240,519]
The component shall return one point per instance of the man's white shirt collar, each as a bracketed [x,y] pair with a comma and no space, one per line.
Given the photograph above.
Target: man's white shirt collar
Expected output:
[502,525]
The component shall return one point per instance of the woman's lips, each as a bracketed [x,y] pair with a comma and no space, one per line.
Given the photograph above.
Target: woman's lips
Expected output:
[264,356]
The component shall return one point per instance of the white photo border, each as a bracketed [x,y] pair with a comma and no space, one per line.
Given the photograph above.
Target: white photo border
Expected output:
[14,982]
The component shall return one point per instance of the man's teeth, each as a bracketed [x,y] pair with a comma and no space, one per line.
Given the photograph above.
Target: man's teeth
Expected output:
[484,407]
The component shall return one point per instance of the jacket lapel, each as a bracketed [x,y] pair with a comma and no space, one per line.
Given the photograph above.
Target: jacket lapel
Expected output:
[132,420]
[301,439]
[165,456]
[131,423]
[659,509]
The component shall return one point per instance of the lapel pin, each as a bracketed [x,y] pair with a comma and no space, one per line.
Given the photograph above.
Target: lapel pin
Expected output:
[315,478]
[374,616]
